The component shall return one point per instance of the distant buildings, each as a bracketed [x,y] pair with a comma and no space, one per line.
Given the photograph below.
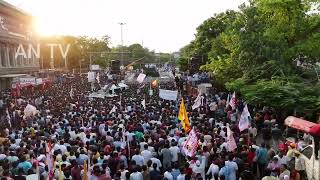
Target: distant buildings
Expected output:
[15,29]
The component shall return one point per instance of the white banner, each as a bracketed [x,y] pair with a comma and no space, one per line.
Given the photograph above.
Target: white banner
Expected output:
[168,94]
[91,76]
[95,67]
[141,77]
[191,145]
[39,81]
[27,81]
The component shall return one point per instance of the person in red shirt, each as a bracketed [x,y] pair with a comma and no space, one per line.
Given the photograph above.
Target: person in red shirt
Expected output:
[75,170]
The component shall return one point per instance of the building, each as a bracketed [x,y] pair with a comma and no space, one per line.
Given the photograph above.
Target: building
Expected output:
[15,29]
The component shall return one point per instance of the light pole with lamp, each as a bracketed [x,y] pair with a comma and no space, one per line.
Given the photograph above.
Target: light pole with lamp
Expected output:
[121,28]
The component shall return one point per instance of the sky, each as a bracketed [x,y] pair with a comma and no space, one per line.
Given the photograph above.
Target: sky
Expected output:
[161,25]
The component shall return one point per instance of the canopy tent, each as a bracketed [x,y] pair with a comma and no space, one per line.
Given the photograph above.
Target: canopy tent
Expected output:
[315,130]
[113,87]
[299,124]
[123,85]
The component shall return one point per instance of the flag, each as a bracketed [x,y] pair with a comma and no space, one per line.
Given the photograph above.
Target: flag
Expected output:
[228,100]
[191,144]
[113,110]
[60,171]
[183,117]
[141,77]
[244,119]
[98,78]
[154,83]
[8,117]
[85,177]
[49,160]
[198,102]
[233,100]
[231,143]
[71,92]
[143,103]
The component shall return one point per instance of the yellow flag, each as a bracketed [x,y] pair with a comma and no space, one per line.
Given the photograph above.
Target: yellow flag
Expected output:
[183,117]
[154,83]
[60,171]
[84,170]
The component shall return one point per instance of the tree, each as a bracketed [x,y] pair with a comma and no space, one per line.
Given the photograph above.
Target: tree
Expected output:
[256,51]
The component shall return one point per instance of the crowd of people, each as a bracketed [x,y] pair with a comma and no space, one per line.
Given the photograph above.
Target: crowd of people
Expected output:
[75,137]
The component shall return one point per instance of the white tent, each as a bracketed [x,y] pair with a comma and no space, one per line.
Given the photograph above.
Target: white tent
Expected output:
[123,85]
[113,87]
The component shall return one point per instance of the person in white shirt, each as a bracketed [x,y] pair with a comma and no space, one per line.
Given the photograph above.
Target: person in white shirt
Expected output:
[199,168]
[136,175]
[168,174]
[213,169]
[175,152]
[156,161]
[138,158]
[147,155]
[181,176]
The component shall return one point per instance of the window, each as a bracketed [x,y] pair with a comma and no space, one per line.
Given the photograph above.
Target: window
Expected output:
[308,151]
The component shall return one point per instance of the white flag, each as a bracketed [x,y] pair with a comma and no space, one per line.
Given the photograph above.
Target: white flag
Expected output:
[143,103]
[141,77]
[191,144]
[198,102]
[244,119]
[113,110]
[231,143]
[71,92]
[232,102]
[30,110]
[8,117]
[98,78]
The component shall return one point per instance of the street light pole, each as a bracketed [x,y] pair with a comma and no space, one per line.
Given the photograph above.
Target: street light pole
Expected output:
[121,28]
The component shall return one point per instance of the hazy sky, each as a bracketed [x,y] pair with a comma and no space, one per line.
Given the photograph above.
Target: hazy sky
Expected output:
[162,25]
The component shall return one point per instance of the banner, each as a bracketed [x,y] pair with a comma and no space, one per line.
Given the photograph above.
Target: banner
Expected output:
[27,81]
[91,76]
[191,144]
[39,81]
[168,94]
[244,119]
[141,77]
[95,67]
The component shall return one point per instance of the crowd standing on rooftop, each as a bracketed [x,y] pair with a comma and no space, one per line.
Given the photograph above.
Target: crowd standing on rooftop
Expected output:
[75,137]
